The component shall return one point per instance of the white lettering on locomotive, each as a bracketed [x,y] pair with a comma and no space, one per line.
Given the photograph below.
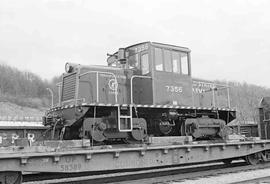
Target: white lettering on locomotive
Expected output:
[198,90]
[174,89]
[141,48]
[113,84]
[202,87]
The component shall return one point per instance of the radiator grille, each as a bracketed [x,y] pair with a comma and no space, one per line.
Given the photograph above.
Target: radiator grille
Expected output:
[69,86]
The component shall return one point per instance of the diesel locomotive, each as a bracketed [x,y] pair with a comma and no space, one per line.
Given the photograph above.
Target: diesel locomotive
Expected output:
[146,90]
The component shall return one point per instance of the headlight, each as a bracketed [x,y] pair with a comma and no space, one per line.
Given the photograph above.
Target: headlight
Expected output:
[68,68]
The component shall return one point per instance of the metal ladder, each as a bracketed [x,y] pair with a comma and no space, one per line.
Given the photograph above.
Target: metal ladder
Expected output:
[125,118]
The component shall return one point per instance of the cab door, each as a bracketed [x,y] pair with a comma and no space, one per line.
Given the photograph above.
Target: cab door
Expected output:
[142,83]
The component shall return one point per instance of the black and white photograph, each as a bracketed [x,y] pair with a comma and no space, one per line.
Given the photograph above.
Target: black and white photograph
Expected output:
[134,91]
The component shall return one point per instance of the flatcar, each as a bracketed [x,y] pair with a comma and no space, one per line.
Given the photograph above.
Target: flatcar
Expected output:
[146,90]
[80,156]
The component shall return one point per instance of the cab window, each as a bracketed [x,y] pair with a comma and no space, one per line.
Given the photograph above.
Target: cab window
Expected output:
[167,61]
[144,64]
[184,63]
[158,59]
[133,61]
[171,61]
[176,62]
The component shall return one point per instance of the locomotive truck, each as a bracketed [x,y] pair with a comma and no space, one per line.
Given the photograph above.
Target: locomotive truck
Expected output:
[146,90]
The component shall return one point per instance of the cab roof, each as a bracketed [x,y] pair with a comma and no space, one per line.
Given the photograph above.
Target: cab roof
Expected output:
[163,45]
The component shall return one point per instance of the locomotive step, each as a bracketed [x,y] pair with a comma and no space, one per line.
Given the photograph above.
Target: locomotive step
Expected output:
[125,117]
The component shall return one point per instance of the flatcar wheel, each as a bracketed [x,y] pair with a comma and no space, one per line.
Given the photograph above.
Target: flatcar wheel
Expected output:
[253,159]
[10,177]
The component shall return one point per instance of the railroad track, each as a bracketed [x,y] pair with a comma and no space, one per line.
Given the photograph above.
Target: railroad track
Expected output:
[233,174]
[261,180]
[144,176]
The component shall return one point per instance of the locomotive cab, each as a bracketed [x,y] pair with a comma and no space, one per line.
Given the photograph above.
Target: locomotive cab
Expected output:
[172,75]
[162,73]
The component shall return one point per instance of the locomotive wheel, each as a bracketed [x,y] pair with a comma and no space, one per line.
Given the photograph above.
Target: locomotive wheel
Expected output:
[165,128]
[10,177]
[253,159]
[138,134]
[97,136]
[96,133]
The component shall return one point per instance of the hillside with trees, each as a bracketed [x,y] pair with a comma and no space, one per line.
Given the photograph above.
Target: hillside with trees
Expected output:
[22,88]
[27,90]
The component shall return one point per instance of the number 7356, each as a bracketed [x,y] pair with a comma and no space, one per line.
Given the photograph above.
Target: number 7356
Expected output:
[174,89]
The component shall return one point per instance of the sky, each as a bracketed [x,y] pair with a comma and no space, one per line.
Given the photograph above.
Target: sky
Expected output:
[229,39]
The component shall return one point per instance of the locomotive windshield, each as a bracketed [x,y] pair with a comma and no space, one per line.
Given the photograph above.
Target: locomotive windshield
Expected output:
[138,58]
[133,60]
[140,62]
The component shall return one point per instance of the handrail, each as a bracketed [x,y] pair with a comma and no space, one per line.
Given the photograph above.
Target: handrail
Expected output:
[59,85]
[97,82]
[228,97]
[131,85]
[214,87]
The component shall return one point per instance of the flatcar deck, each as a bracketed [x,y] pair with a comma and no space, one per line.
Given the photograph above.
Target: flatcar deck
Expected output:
[77,156]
